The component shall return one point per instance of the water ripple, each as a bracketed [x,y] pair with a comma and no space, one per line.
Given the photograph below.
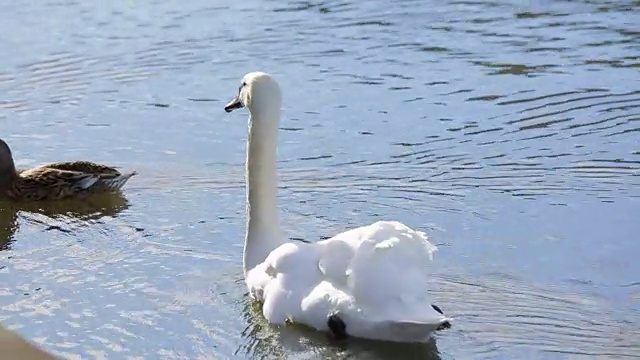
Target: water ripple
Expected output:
[508,130]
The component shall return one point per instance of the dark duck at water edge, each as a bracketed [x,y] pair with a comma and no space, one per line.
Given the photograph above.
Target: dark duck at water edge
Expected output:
[56,181]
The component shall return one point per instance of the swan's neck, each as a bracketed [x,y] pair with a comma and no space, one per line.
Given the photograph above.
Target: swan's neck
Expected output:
[263,222]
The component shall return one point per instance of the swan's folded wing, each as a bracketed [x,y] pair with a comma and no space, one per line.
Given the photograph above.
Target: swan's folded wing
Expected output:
[334,256]
[391,266]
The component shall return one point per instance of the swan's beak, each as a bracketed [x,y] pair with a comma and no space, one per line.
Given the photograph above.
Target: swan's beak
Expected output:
[236,103]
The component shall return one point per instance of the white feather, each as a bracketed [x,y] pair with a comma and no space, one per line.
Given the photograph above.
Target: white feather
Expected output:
[374,277]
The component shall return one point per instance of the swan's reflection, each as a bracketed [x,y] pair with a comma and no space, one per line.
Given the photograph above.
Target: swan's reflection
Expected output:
[262,340]
[83,210]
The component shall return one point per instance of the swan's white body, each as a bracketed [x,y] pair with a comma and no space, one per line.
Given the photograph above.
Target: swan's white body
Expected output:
[373,277]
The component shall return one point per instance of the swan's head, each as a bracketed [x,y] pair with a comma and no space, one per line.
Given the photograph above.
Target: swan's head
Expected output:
[258,92]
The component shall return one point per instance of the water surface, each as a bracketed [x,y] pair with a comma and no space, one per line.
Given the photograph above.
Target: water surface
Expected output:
[508,130]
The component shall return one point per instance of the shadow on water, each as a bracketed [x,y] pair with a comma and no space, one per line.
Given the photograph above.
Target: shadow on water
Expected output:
[66,213]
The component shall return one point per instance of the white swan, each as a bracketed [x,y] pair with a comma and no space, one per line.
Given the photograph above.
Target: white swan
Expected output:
[369,282]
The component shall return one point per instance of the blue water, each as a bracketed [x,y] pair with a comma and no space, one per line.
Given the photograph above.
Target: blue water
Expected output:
[507,130]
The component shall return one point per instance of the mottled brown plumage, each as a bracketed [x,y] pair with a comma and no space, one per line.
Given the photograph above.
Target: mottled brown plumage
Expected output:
[56,181]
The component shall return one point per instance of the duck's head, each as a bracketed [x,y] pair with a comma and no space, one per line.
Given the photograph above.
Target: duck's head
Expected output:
[7,167]
[259,92]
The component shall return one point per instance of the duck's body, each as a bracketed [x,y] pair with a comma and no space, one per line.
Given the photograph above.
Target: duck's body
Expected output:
[56,181]
[367,282]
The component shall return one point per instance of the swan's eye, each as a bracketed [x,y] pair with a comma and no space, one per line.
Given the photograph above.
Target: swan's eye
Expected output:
[241,86]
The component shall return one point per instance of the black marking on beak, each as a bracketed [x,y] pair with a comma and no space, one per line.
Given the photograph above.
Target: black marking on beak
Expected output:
[236,103]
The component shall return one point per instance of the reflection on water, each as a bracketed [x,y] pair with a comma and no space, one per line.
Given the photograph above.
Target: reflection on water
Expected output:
[67,213]
[508,130]
[8,227]
[499,316]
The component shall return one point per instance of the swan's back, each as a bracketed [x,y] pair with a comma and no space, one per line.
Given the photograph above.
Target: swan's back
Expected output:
[389,264]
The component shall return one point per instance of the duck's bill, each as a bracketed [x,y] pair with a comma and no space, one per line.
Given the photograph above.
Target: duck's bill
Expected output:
[236,103]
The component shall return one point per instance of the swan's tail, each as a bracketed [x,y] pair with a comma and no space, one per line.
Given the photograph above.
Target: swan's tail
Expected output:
[398,330]
[411,331]
[420,329]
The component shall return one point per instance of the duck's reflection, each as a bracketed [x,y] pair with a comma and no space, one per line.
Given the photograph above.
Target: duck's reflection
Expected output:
[8,225]
[262,340]
[83,210]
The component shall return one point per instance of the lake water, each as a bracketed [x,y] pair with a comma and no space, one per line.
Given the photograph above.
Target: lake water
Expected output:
[508,130]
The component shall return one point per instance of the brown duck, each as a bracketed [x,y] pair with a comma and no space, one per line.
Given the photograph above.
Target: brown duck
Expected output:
[56,181]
